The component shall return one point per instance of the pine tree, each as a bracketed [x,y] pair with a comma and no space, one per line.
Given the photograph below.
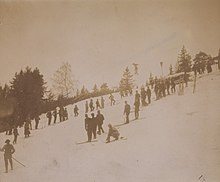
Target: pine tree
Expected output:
[28,89]
[95,89]
[183,62]
[127,81]
[83,90]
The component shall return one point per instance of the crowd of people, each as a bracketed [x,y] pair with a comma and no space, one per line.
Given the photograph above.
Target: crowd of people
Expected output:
[94,123]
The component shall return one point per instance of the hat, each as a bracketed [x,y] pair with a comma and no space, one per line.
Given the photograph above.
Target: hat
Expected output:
[7,141]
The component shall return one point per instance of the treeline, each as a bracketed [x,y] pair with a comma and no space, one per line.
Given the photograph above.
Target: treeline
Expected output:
[27,97]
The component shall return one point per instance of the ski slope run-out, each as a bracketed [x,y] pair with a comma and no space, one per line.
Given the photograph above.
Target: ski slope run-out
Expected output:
[176,139]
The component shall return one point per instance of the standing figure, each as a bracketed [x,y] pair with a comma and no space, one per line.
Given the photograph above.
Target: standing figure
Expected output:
[61,114]
[15,132]
[8,150]
[156,90]
[37,119]
[143,97]
[93,122]
[102,102]
[149,95]
[209,67]
[76,109]
[137,104]
[49,116]
[111,97]
[87,107]
[100,118]
[26,130]
[112,132]
[55,115]
[66,114]
[173,85]
[88,127]
[91,105]
[127,111]
[97,104]
[167,82]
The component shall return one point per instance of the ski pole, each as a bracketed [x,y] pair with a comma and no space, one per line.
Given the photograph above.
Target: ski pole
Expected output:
[18,162]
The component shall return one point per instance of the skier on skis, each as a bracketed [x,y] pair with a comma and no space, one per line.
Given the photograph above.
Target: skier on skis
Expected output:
[112,132]
[8,150]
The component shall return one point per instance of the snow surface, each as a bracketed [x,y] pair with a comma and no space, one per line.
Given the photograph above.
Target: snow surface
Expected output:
[176,139]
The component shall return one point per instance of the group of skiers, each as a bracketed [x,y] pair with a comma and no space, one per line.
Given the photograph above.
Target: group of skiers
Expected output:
[63,115]
[99,104]
[93,125]
[90,105]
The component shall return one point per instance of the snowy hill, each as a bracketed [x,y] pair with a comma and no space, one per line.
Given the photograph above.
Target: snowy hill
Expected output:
[175,139]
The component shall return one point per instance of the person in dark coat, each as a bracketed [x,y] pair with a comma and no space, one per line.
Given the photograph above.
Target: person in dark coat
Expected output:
[112,132]
[86,107]
[112,99]
[88,127]
[137,105]
[173,85]
[8,150]
[49,116]
[127,111]
[100,118]
[66,114]
[55,115]
[149,95]
[97,104]
[167,82]
[37,119]
[102,102]
[209,67]
[26,130]
[61,114]
[91,105]
[76,111]
[15,133]
[93,122]
[143,97]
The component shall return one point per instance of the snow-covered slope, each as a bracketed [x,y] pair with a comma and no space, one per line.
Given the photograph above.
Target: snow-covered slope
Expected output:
[176,138]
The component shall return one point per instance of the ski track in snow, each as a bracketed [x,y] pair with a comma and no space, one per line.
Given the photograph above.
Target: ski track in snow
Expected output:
[175,139]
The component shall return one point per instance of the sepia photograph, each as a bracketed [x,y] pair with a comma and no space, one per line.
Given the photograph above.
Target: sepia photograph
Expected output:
[109,91]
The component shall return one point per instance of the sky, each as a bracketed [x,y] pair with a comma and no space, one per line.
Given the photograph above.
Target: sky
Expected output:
[101,38]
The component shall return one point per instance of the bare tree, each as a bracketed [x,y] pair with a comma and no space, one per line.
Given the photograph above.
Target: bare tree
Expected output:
[63,81]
